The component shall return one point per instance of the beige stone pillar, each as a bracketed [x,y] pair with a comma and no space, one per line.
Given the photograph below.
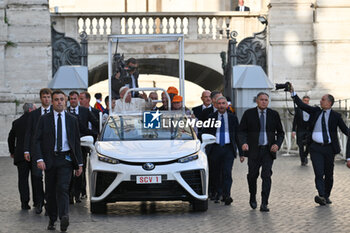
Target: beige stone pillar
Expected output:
[332,39]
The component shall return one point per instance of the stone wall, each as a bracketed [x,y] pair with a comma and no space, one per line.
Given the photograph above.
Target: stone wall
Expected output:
[25,58]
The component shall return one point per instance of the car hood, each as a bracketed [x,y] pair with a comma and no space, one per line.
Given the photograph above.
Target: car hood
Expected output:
[148,151]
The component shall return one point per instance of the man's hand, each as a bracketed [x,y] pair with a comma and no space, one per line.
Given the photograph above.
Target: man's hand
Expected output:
[241,158]
[245,147]
[274,148]
[348,163]
[117,75]
[144,96]
[293,134]
[291,88]
[41,165]
[27,156]
[79,171]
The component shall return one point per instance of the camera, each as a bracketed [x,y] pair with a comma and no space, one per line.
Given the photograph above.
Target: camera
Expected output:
[119,66]
[286,86]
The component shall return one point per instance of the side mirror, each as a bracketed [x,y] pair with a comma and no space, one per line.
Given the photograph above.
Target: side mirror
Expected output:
[87,141]
[207,139]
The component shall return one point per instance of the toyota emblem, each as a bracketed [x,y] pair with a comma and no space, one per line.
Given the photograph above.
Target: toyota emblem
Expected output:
[148,166]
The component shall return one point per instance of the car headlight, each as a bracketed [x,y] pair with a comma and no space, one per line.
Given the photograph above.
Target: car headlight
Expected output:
[188,158]
[107,159]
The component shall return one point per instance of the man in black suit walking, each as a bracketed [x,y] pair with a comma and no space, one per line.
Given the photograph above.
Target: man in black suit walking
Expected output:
[197,111]
[16,144]
[222,153]
[261,136]
[241,6]
[324,144]
[38,186]
[301,130]
[57,152]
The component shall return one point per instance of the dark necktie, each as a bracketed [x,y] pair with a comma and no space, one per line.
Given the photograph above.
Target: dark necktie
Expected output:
[222,131]
[45,111]
[324,128]
[262,129]
[73,111]
[59,133]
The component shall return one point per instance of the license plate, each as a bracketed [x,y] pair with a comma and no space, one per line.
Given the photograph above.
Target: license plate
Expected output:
[148,179]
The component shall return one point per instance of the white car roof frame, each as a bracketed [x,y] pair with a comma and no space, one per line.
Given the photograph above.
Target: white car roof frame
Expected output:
[179,38]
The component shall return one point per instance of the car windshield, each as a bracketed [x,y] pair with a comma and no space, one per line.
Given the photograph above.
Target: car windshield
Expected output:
[139,127]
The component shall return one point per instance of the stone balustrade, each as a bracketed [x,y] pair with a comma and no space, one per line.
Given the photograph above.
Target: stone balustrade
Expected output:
[198,25]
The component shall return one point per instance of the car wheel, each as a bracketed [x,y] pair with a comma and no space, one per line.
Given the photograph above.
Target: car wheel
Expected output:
[199,205]
[98,207]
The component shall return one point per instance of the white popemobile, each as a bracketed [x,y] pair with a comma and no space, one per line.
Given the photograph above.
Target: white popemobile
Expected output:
[141,157]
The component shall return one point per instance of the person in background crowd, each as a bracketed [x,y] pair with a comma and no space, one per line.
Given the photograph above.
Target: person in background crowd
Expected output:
[84,100]
[98,104]
[177,105]
[197,111]
[301,130]
[172,91]
[324,122]
[261,136]
[37,174]
[106,111]
[206,112]
[164,102]
[241,6]
[16,144]
[229,105]
[222,153]
[57,152]
[153,96]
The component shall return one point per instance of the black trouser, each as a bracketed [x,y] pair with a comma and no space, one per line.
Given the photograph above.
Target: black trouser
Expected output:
[323,163]
[38,184]
[303,145]
[222,158]
[23,169]
[78,184]
[57,181]
[265,161]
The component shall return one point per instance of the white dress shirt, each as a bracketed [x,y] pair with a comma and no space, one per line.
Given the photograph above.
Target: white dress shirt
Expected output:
[43,110]
[76,109]
[65,145]
[317,135]
[227,134]
[204,107]
[306,116]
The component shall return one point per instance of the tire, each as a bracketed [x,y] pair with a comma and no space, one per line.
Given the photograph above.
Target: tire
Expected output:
[200,206]
[98,207]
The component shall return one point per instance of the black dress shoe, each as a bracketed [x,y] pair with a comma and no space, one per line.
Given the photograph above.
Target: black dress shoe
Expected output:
[39,208]
[64,223]
[77,200]
[51,226]
[228,200]
[25,206]
[71,200]
[264,208]
[328,201]
[253,204]
[83,196]
[320,200]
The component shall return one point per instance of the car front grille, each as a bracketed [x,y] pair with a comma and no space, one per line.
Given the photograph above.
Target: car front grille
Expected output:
[194,180]
[103,181]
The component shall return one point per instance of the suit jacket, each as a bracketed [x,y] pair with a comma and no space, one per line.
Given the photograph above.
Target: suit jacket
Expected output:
[16,138]
[45,139]
[245,8]
[30,129]
[300,126]
[197,111]
[249,130]
[233,132]
[334,121]
[85,116]
[118,83]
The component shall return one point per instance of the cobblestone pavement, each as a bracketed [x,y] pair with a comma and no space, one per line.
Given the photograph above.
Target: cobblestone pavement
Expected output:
[292,208]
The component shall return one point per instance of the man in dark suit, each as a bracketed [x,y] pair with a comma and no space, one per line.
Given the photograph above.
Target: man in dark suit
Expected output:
[84,100]
[197,111]
[206,112]
[57,152]
[87,126]
[301,130]
[241,6]
[261,136]
[222,153]
[38,186]
[16,143]
[130,79]
[324,144]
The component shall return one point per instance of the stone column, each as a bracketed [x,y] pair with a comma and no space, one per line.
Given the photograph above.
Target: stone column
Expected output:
[291,49]
[331,32]
[25,58]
